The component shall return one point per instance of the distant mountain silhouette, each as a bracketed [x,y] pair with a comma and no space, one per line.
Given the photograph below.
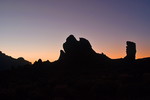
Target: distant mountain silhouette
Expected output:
[7,62]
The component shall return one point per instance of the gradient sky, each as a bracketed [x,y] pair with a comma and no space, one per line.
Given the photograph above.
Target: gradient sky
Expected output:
[36,29]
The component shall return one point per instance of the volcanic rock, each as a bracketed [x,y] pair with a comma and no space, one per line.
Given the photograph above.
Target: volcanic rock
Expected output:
[81,50]
[130,51]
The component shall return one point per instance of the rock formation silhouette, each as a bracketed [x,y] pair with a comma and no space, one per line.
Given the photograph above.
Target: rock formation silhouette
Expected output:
[79,51]
[74,48]
[79,74]
[130,51]
[75,52]
[37,63]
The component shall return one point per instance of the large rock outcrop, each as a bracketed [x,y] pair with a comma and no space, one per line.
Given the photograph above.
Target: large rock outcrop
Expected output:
[71,46]
[79,50]
[130,51]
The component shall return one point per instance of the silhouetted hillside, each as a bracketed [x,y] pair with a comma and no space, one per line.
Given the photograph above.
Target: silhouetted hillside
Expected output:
[7,62]
[79,74]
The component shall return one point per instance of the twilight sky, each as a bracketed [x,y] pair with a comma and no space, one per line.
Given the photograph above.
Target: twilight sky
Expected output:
[36,29]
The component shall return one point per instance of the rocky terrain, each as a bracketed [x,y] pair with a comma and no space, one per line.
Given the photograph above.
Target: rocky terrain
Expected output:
[79,74]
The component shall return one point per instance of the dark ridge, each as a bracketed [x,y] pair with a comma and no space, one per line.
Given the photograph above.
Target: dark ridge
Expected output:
[7,62]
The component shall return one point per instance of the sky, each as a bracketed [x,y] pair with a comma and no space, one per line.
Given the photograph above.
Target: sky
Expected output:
[36,29]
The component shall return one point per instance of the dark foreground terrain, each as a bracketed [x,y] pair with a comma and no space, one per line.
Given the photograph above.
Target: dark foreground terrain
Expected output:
[79,74]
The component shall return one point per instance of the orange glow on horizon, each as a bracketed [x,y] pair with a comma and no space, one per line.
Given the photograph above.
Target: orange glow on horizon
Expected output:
[45,55]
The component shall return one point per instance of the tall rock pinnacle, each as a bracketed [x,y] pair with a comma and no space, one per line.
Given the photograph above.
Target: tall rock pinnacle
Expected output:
[130,51]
